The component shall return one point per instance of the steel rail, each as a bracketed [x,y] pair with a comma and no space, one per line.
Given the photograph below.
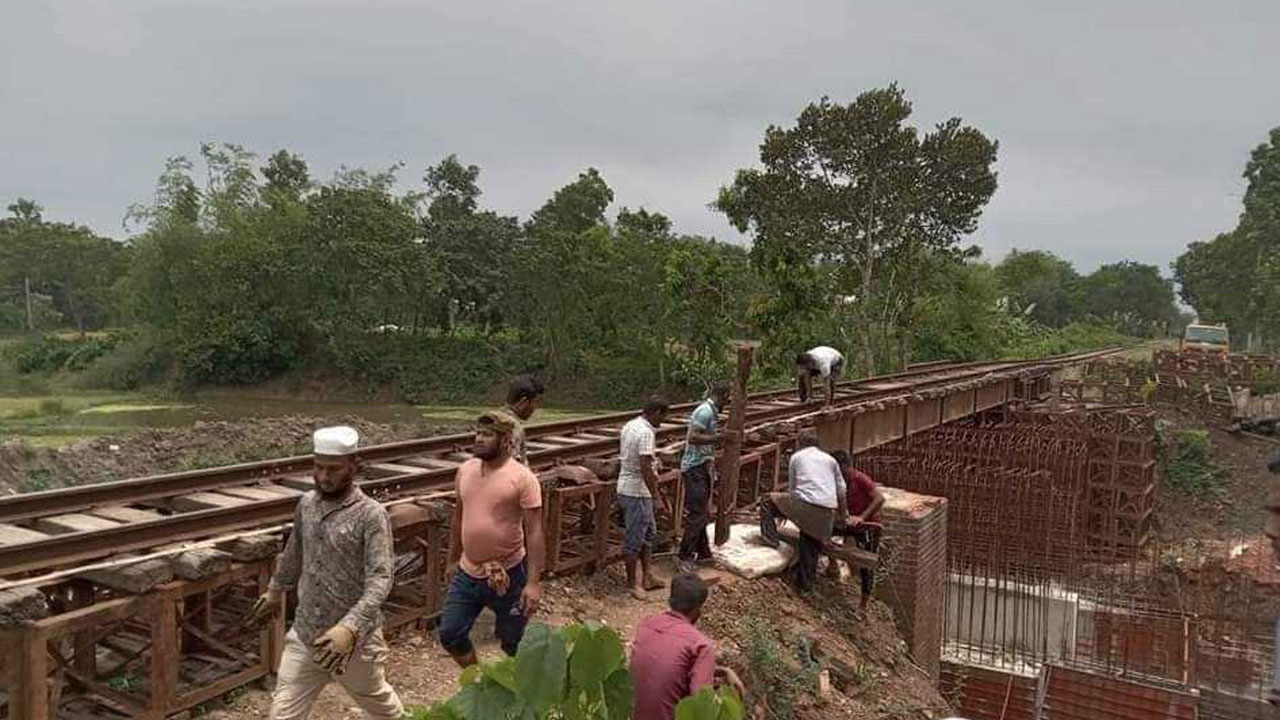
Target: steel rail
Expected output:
[61,550]
[25,506]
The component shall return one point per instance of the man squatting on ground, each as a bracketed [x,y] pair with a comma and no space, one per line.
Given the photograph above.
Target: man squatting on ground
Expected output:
[815,497]
[670,658]
[863,500]
[697,467]
[338,556]
[637,491]
[1273,532]
[822,361]
[498,543]
[524,397]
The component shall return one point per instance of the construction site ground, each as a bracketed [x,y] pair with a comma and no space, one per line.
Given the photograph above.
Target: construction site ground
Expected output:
[871,675]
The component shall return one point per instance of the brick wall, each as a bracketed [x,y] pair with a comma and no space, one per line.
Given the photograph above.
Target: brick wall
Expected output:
[914,550]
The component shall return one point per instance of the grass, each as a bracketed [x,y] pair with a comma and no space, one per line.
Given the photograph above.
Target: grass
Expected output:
[468,413]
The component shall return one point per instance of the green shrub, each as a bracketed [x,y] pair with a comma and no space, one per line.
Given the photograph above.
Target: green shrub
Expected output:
[1189,462]
[779,676]
[578,672]
[40,354]
[134,361]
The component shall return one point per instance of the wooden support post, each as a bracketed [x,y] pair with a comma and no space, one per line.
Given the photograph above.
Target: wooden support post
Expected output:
[437,538]
[727,482]
[604,505]
[553,525]
[85,659]
[271,641]
[165,653]
[33,683]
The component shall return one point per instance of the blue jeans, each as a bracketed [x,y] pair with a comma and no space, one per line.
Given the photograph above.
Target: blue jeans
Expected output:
[467,597]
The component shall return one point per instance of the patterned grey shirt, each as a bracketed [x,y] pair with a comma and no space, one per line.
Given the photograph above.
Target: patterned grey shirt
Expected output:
[518,450]
[339,558]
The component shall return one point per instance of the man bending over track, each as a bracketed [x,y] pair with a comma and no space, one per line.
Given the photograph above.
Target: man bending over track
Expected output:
[339,558]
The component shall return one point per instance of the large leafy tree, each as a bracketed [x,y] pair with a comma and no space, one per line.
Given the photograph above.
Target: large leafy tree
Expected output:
[852,193]
[473,246]
[1235,277]
[1132,295]
[1040,284]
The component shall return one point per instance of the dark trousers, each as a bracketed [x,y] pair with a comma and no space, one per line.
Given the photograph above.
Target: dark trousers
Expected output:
[694,544]
[866,537]
[467,597]
[805,570]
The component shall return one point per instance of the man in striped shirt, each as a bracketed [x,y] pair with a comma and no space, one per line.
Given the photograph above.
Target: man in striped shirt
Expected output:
[637,492]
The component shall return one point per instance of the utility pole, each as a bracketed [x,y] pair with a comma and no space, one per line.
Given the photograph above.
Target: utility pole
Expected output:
[26,286]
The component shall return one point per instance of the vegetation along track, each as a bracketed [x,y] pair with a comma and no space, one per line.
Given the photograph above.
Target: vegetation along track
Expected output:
[106,519]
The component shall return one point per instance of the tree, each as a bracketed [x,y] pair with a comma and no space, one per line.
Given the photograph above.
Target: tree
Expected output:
[1235,277]
[473,247]
[852,190]
[1040,282]
[1132,295]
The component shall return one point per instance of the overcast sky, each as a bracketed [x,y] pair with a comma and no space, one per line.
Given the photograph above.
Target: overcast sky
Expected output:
[1123,125]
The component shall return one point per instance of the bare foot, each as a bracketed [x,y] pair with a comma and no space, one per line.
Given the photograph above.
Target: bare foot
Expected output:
[653,583]
[639,594]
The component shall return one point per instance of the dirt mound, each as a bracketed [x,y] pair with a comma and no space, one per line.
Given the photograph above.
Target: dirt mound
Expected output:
[152,451]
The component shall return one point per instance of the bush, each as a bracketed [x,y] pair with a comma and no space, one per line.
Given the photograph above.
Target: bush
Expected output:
[134,361]
[578,671]
[780,677]
[40,354]
[1190,464]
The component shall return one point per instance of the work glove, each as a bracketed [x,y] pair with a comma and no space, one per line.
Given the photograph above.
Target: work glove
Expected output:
[267,605]
[499,581]
[333,649]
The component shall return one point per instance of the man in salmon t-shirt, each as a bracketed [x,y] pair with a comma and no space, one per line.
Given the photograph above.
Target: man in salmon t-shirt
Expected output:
[498,543]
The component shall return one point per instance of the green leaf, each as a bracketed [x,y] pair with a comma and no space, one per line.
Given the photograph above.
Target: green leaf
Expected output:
[596,654]
[702,705]
[439,711]
[485,700]
[731,707]
[469,674]
[502,672]
[541,667]
[619,695]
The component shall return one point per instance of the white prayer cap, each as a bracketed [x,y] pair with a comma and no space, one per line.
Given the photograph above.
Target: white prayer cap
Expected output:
[337,440]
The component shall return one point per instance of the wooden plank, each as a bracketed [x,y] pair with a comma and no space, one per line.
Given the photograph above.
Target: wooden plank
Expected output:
[14,535]
[298,481]
[73,522]
[260,493]
[431,463]
[729,480]
[206,501]
[396,469]
[124,514]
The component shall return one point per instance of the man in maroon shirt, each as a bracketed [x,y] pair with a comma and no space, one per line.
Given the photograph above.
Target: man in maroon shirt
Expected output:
[670,658]
[863,524]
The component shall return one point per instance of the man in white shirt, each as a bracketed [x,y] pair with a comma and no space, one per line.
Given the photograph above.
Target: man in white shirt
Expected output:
[822,361]
[637,492]
[815,497]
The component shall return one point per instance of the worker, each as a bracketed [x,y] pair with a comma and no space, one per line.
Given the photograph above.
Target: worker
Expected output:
[524,397]
[498,543]
[815,496]
[697,468]
[338,557]
[863,499]
[637,493]
[671,658]
[822,361]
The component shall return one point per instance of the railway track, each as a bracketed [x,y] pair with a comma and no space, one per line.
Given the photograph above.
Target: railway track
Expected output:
[56,529]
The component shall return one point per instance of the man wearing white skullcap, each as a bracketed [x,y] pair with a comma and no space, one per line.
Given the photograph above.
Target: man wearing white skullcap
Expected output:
[338,557]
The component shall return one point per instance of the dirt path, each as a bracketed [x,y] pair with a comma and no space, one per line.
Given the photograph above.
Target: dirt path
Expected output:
[884,684]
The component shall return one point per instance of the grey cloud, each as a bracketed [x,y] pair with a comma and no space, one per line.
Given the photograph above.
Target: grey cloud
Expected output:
[1123,126]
